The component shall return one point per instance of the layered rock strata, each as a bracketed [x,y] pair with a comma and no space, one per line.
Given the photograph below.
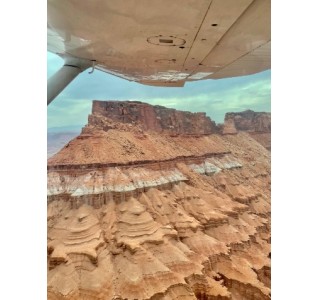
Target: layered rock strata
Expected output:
[257,124]
[134,213]
[156,118]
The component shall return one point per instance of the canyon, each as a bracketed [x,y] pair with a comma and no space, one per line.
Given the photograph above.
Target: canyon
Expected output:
[153,203]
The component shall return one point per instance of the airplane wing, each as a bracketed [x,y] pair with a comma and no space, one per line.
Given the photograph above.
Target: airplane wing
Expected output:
[161,42]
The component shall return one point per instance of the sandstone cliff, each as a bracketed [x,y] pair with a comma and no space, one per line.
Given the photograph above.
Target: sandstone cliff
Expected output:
[137,210]
[257,124]
[155,118]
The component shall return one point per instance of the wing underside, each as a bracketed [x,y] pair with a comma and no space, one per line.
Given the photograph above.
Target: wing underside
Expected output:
[164,42]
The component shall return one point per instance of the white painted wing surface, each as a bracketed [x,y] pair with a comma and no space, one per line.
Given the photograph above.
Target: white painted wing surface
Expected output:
[163,42]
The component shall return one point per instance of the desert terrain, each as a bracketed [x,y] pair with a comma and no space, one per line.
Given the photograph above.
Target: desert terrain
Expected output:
[153,203]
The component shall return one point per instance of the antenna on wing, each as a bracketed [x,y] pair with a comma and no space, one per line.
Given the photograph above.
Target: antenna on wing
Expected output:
[93,66]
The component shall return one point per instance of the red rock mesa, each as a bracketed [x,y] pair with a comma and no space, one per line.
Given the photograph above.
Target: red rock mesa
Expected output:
[257,124]
[153,203]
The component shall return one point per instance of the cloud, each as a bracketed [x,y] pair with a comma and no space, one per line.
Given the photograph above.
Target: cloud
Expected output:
[68,113]
[251,95]
[215,97]
[54,63]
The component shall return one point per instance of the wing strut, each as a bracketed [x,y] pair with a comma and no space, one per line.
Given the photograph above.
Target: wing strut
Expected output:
[72,68]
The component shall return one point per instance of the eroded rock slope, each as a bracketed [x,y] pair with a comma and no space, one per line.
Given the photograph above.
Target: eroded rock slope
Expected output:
[135,212]
[257,124]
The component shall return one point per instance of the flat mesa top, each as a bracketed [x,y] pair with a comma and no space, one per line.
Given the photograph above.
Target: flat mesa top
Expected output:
[164,43]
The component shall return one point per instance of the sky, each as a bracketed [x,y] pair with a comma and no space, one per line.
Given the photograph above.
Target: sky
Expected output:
[215,97]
